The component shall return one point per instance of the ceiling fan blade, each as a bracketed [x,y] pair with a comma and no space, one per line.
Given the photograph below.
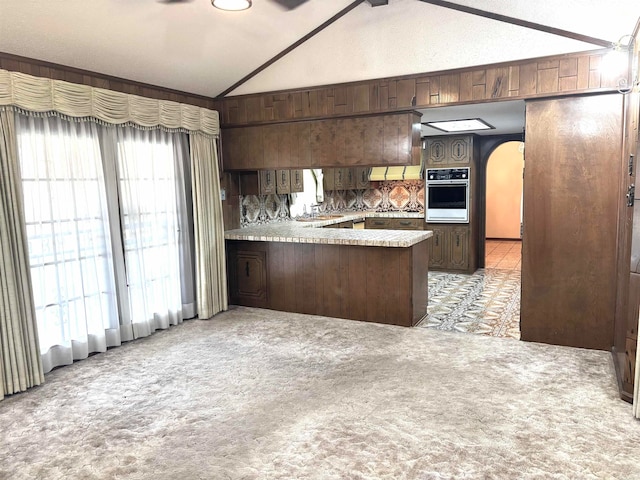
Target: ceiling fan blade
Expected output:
[290,4]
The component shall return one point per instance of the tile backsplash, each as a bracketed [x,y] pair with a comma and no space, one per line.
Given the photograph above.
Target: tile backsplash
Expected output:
[389,196]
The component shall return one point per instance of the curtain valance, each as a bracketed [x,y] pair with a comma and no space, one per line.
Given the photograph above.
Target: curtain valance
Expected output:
[43,95]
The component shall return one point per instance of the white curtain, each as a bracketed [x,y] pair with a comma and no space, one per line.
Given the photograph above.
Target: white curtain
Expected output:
[20,363]
[79,263]
[211,272]
[109,229]
[155,227]
[68,236]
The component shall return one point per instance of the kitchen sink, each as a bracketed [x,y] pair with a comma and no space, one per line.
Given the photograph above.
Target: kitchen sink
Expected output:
[318,218]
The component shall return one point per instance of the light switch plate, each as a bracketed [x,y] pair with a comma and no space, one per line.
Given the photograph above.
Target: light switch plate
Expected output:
[223,194]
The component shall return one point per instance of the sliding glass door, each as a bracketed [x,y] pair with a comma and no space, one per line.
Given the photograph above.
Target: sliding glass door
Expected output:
[108,233]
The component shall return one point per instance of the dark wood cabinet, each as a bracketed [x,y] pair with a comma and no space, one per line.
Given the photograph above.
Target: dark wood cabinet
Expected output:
[386,139]
[262,182]
[343,281]
[247,274]
[459,248]
[437,257]
[449,151]
[450,248]
[346,178]
[242,148]
[297,180]
[283,182]
[267,182]
[362,178]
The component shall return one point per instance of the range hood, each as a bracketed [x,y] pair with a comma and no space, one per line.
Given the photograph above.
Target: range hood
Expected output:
[410,172]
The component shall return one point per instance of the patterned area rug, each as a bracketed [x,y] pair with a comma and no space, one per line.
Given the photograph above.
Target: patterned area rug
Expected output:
[487,302]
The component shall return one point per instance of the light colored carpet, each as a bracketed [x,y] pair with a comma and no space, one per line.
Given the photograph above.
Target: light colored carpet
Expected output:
[255,394]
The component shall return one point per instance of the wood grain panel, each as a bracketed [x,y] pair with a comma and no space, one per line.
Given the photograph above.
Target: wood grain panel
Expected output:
[377,284]
[357,274]
[305,278]
[571,191]
[550,76]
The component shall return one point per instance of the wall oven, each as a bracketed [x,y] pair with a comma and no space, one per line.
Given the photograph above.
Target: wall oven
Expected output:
[447,195]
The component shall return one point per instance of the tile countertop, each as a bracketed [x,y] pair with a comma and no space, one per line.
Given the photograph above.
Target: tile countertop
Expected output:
[312,232]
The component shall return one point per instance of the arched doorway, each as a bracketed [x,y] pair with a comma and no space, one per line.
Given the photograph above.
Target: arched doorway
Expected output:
[503,219]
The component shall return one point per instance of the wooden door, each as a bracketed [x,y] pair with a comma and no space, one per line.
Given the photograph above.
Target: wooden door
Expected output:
[571,188]
[329,179]
[460,150]
[459,248]
[349,178]
[267,182]
[297,181]
[362,178]
[437,246]
[436,152]
[247,274]
[283,182]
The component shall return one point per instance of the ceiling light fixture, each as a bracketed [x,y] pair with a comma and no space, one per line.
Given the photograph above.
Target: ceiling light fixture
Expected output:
[466,125]
[231,5]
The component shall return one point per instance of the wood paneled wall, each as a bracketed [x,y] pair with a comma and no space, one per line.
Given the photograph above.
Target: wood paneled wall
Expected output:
[571,193]
[547,76]
[39,68]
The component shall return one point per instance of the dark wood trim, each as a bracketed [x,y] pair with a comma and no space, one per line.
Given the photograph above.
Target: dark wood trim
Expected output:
[291,47]
[414,76]
[521,23]
[616,364]
[87,73]
[324,117]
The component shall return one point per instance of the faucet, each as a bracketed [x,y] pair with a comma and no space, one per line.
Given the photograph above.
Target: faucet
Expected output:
[315,208]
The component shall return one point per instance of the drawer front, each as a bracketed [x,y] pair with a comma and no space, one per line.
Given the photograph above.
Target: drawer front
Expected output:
[408,224]
[380,223]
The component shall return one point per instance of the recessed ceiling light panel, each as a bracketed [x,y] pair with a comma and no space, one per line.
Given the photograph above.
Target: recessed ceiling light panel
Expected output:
[466,125]
[233,5]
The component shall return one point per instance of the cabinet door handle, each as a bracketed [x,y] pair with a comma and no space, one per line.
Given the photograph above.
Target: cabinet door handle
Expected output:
[457,240]
[406,222]
[246,268]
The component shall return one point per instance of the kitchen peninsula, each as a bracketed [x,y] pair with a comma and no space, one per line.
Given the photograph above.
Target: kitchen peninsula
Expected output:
[299,266]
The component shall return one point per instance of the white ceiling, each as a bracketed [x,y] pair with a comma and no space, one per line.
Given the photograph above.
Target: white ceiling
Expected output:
[196,48]
[506,117]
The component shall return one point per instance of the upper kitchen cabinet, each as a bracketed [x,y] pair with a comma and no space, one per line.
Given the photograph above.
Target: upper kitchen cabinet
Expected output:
[449,151]
[242,148]
[327,143]
[386,139]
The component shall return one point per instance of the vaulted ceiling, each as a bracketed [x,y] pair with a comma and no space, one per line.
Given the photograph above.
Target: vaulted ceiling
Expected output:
[193,47]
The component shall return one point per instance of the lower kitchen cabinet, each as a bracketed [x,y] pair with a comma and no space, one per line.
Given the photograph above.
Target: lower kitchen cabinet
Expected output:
[367,283]
[450,247]
[247,273]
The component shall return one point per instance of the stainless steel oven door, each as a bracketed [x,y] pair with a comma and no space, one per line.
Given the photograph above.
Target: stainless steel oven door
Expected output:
[447,202]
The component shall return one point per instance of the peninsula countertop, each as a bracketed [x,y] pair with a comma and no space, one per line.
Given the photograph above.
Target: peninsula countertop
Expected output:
[311,231]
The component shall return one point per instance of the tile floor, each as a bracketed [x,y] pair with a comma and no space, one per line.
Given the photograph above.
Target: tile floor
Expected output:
[486,302]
